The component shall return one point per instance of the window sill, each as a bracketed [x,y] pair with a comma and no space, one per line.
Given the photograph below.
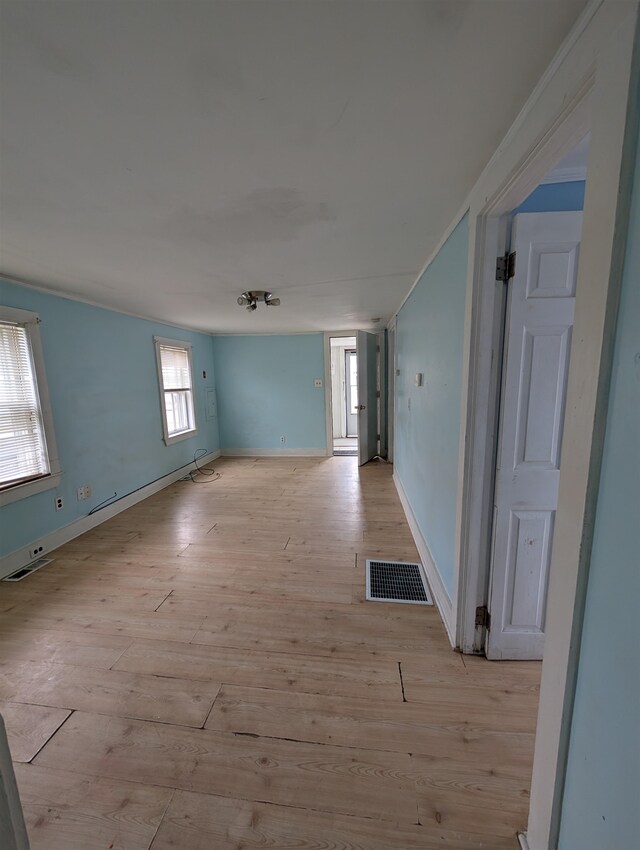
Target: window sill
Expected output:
[29,488]
[183,435]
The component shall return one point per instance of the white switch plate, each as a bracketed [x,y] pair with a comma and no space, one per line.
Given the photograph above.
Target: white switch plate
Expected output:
[419,377]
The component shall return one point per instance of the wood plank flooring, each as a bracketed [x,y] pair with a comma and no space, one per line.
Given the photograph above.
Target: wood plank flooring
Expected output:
[202,672]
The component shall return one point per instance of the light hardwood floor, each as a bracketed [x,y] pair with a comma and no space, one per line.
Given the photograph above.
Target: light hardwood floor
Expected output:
[202,672]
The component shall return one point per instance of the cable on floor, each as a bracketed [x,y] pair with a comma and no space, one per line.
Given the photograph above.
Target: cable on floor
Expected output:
[207,476]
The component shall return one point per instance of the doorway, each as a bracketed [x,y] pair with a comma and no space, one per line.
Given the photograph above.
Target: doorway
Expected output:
[536,308]
[344,395]
[352,380]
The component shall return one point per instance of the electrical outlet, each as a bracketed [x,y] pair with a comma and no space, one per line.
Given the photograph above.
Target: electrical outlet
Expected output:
[84,492]
[35,552]
[282,439]
[318,383]
[59,503]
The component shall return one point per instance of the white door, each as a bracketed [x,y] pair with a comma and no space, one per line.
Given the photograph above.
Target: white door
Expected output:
[540,308]
[351,389]
[367,348]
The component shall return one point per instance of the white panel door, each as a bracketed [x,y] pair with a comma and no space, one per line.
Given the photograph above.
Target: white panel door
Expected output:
[540,310]
[367,348]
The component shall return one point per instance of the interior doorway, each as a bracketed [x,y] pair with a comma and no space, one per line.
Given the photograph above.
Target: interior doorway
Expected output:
[353,396]
[536,314]
[344,395]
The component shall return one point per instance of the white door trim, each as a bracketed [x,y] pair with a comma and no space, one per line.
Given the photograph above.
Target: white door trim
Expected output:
[587,87]
[483,353]
[328,405]
[391,389]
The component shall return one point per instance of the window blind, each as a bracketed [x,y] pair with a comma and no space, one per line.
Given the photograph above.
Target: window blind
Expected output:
[176,383]
[23,449]
[176,374]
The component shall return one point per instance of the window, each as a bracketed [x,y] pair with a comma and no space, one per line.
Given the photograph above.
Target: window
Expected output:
[28,457]
[176,388]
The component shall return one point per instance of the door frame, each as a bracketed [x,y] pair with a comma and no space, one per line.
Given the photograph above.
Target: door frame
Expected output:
[484,361]
[328,404]
[591,85]
[390,351]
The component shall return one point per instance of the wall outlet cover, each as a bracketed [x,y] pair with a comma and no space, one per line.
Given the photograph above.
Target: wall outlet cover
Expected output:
[318,383]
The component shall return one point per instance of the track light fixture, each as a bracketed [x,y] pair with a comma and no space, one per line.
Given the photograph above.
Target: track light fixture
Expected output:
[250,299]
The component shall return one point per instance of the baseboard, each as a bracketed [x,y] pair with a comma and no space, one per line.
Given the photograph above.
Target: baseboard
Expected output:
[440,594]
[274,452]
[20,557]
[522,838]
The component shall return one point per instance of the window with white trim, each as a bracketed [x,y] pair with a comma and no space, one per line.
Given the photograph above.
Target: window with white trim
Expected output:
[28,457]
[175,376]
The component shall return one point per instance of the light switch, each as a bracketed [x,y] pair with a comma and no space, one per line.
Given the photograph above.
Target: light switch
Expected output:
[419,377]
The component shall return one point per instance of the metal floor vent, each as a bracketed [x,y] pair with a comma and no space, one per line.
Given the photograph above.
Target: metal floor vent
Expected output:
[397,581]
[23,572]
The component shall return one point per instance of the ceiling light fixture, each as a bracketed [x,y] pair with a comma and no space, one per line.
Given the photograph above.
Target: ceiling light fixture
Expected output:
[250,299]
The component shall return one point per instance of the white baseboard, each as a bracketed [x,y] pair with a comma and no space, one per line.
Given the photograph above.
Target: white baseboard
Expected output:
[20,557]
[274,452]
[438,589]
[522,838]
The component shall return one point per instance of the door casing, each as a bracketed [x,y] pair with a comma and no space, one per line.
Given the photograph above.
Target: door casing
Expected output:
[328,405]
[591,85]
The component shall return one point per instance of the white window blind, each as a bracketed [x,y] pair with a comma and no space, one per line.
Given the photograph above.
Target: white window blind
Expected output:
[175,364]
[23,447]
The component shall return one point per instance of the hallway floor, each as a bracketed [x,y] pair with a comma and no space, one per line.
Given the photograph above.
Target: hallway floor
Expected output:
[202,672]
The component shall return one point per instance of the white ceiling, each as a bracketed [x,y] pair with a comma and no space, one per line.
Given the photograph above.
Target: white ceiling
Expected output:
[162,157]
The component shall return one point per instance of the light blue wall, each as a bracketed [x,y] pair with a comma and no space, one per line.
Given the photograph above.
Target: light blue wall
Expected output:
[601,807]
[101,372]
[555,197]
[266,390]
[429,339]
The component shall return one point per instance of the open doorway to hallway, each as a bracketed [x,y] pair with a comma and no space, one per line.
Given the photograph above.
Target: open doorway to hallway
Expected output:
[344,395]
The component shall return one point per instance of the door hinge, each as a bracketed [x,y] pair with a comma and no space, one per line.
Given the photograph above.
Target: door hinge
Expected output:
[506,267]
[483,617]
